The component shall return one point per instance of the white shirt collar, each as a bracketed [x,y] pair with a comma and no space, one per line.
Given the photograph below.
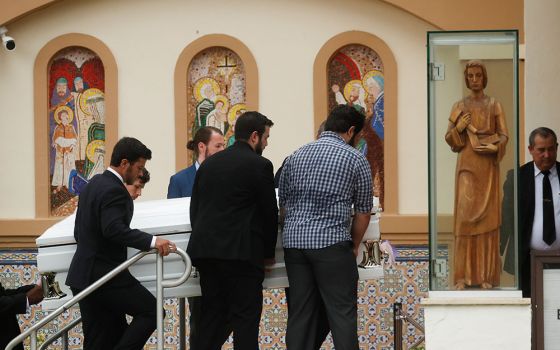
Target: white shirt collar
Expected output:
[116,174]
[196,165]
[538,171]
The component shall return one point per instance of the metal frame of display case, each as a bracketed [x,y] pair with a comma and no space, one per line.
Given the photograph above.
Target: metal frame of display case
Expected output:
[459,38]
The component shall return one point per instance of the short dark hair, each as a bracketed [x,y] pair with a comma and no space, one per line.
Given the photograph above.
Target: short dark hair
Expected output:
[343,117]
[249,122]
[144,176]
[131,149]
[543,132]
[202,135]
[321,127]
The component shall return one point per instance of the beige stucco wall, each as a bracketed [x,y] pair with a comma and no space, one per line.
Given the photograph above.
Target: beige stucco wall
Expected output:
[542,30]
[146,38]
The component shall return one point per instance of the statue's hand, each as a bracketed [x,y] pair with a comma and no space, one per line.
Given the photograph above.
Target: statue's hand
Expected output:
[463,122]
[486,149]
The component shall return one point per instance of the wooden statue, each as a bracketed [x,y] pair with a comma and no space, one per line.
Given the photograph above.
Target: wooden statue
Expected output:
[477,132]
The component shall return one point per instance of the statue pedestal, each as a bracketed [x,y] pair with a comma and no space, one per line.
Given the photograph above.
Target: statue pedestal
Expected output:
[477,320]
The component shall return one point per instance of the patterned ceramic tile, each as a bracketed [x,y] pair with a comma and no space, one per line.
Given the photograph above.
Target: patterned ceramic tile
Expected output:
[405,282]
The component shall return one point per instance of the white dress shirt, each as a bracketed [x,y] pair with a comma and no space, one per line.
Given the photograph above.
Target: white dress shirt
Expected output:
[153,243]
[537,234]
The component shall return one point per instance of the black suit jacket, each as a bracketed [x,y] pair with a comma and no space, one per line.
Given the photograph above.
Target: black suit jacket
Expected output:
[526,215]
[12,302]
[102,232]
[233,212]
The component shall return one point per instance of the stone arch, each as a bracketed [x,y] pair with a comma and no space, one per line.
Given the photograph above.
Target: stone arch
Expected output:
[43,143]
[321,92]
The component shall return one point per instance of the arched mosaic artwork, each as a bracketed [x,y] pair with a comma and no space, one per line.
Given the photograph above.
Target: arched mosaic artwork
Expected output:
[216,93]
[355,77]
[76,124]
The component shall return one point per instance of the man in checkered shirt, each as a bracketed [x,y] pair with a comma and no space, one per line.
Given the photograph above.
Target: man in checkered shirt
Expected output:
[319,185]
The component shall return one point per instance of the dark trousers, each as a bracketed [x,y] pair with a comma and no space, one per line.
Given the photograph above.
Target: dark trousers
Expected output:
[104,317]
[195,304]
[231,298]
[322,322]
[194,319]
[317,277]
[9,329]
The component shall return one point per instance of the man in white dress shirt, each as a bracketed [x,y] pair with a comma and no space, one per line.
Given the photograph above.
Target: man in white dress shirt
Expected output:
[539,202]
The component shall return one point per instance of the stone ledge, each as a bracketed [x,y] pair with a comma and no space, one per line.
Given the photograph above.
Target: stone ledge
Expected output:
[496,301]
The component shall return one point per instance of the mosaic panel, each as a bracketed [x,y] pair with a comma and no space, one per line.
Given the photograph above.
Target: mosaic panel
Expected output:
[355,77]
[76,125]
[216,91]
[405,282]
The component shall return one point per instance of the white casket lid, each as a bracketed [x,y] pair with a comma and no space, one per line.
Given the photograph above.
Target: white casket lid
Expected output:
[161,216]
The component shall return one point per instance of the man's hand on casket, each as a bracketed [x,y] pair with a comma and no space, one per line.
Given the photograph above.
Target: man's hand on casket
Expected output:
[164,246]
[35,295]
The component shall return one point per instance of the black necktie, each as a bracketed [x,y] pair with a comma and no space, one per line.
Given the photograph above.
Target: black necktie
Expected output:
[549,228]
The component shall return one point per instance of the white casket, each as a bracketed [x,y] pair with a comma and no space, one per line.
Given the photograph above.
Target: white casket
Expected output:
[168,218]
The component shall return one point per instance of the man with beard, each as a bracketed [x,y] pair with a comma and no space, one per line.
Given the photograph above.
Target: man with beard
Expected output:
[207,141]
[234,220]
[102,232]
[319,185]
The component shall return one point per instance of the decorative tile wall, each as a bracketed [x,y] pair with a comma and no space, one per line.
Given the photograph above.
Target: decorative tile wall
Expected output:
[405,282]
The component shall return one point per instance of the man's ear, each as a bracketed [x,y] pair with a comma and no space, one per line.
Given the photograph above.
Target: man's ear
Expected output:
[200,146]
[124,163]
[254,137]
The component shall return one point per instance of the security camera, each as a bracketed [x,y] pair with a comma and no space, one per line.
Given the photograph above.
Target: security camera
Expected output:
[8,42]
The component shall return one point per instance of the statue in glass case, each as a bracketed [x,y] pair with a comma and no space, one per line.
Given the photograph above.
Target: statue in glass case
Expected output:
[477,132]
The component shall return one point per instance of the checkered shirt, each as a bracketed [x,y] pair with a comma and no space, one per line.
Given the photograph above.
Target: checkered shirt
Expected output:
[319,184]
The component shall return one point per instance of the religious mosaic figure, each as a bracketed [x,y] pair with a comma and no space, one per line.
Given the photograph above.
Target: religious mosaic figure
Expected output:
[216,81]
[64,141]
[76,86]
[477,132]
[355,77]
[218,116]
[374,83]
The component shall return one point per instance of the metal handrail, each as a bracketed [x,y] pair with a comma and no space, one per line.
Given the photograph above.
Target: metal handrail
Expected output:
[398,317]
[61,333]
[32,331]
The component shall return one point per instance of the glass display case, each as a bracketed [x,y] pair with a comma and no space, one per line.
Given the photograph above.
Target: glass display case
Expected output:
[473,151]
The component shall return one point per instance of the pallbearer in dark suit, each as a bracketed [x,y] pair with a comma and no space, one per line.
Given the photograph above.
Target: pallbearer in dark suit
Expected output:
[539,202]
[207,141]
[102,233]
[12,303]
[234,218]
